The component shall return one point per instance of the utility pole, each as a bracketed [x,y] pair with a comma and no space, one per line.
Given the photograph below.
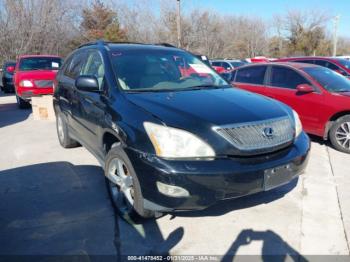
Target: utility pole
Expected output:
[178,24]
[335,34]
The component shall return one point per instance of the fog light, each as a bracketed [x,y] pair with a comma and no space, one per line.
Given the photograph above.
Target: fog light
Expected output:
[173,191]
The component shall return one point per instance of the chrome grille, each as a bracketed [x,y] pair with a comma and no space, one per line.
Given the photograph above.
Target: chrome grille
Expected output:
[43,83]
[259,136]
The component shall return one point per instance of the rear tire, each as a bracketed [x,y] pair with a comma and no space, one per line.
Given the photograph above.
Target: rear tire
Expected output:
[22,104]
[339,134]
[124,187]
[62,133]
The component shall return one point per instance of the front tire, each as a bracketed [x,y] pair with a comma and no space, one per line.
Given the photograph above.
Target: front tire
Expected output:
[22,104]
[62,133]
[339,134]
[123,186]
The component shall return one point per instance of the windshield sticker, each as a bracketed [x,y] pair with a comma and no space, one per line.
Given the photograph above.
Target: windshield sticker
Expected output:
[204,58]
[201,69]
[55,65]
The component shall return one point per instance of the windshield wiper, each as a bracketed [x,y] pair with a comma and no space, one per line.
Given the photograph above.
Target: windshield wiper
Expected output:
[199,87]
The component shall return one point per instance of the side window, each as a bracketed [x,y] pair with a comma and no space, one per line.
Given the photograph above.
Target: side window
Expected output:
[216,63]
[66,65]
[76,65]
[332,66]
[304,61]
[321,63]
[251,75]
[286,78]
[226,65]
[95,67]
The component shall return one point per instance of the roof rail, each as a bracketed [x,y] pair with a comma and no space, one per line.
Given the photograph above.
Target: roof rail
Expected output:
[166,45]
[103,42]
[98,42]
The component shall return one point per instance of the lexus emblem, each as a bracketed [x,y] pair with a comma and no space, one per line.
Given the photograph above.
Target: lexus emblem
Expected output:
[268,132]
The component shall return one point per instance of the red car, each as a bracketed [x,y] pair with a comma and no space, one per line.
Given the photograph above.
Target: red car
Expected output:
[34,75]
[340,65]
[320,96]
[219,69]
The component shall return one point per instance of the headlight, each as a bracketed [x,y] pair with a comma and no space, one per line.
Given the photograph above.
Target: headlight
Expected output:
[171,142]
[297,123]
[26,83]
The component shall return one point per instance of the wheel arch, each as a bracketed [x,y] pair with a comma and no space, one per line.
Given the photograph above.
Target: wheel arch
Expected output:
[108,139]
[331,121]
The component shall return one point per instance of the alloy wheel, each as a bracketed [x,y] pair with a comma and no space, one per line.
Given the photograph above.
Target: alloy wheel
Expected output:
[60,128]
[121,184]
[342,135]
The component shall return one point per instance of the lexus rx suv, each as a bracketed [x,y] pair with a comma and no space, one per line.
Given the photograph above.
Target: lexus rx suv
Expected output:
[170,133]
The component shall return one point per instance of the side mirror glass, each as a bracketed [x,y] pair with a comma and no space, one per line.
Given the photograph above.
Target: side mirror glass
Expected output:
[87,83]
[305,88]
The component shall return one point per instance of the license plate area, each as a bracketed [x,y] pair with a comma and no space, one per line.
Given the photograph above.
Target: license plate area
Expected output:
[278,176]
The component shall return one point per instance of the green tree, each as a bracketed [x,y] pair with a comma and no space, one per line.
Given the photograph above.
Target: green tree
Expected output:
[99,21]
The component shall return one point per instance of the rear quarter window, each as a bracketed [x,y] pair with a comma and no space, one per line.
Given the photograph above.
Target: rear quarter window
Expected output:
[75,64]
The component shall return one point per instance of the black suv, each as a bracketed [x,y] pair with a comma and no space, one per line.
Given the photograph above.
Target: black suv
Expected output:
[170,133]
[7,77]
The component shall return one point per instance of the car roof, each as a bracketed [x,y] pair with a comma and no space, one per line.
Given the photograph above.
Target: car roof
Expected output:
[121,47]
[290,64]
[29,56]
[309,57]
[9,62]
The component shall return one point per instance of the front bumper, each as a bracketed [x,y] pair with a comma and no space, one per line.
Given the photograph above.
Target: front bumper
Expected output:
[209,181]
[28,93]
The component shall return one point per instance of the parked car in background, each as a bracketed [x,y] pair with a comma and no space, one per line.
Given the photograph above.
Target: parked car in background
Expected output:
[7,77]
[347,57]
[219,69]
[259,59]
[319,95]
[340,65]
[170,140]
[34,76]
[228,64]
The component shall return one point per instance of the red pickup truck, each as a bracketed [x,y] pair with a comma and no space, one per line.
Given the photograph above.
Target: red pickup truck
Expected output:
[34,75]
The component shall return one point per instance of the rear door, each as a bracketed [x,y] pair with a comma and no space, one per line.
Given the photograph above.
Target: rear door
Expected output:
[251,78]
[282,85]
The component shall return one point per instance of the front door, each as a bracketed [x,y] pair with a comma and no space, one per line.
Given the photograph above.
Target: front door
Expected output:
[282,86]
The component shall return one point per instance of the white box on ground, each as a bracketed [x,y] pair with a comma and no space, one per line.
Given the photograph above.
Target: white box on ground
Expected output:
[43,108]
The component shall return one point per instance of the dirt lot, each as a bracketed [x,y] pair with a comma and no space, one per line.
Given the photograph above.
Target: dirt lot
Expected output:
[54,201]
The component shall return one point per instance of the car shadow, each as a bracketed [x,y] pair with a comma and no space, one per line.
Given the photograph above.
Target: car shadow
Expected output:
[62,209]
[229,205]
[10,114]
[274,248]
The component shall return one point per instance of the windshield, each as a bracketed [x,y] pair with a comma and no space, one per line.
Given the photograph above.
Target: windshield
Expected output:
[40,63]
[163,70]
[344,62]
[329,79]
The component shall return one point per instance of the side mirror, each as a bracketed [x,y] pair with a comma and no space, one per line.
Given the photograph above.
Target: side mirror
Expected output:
[305,88]
[87,83]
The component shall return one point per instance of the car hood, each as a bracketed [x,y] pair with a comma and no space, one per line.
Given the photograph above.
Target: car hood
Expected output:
[212,107]
[37,75]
